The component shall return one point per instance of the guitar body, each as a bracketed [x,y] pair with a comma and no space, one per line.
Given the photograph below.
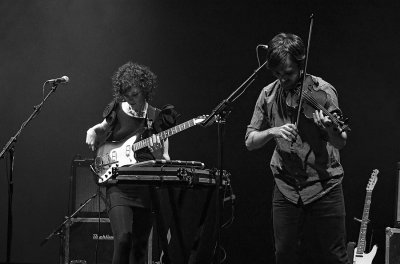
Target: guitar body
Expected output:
[365,258]
[114,154]
[118,154]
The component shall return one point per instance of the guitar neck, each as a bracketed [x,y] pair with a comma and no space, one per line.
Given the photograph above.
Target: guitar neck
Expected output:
[165,134]
[364,222]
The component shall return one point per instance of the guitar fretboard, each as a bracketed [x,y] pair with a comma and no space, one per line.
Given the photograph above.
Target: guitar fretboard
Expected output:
[164,134]
[364,222]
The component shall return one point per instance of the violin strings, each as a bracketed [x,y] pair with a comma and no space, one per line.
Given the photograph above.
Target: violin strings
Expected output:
[318,106]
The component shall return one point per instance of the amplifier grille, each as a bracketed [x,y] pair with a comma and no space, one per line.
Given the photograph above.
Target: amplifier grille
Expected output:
[83,186]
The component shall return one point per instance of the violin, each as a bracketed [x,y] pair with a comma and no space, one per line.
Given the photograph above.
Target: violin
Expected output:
[315,100]
[310,99]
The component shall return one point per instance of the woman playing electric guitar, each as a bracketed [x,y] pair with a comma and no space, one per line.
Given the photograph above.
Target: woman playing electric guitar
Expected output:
[129,113]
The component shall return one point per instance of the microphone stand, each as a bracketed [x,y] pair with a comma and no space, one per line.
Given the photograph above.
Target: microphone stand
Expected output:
[58,230]
[10,149]
[219,115]
[64,239]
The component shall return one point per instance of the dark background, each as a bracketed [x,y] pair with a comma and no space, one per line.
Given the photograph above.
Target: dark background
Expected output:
[201,52]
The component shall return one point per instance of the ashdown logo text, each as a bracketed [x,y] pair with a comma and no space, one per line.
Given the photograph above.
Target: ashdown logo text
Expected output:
[102,237]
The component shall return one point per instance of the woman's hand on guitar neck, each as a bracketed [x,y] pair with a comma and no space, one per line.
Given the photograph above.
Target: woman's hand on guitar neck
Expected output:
[156,146]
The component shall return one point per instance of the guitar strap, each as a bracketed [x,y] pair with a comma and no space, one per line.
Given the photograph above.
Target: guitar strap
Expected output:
[152,114]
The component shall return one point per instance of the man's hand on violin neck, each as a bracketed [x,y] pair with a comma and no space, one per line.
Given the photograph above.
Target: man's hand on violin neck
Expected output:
[287,132]
[322,121]
[336,137]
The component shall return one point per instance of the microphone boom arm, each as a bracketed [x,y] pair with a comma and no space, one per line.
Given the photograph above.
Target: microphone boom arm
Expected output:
[35,112]
[222,107]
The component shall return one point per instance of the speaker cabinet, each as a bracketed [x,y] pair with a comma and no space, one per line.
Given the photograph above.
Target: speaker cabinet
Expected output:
[392,252]
[87,239]
[397,203]
[83,185]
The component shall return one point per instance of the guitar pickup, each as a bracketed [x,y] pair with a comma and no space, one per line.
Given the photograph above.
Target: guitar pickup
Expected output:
[107,164]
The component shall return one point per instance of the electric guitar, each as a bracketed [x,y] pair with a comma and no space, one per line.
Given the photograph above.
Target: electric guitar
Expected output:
[359,256]
[117,154]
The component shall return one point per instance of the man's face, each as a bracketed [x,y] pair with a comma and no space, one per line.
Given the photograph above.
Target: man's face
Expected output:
[135,98]
[288,74]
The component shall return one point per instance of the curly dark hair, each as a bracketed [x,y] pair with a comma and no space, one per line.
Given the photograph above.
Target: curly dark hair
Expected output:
[285,45]
[133,75]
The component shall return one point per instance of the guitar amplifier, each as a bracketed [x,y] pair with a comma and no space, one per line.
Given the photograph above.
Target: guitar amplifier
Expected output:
[392,251]
[87,239]
[83,185]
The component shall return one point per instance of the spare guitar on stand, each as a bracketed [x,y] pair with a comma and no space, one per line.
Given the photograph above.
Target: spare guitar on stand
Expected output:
[359,256]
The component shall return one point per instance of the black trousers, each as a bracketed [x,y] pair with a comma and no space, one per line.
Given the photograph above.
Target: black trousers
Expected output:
[312,233]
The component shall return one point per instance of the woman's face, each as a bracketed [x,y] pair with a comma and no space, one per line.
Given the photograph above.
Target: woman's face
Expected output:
[135,98]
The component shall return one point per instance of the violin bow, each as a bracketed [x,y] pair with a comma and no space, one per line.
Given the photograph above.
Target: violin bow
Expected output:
[305,69]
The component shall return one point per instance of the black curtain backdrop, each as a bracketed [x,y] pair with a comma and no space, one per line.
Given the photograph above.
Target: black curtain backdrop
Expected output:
[201,52]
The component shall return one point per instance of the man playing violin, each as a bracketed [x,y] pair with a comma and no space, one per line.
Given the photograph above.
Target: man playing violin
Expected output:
[308,204]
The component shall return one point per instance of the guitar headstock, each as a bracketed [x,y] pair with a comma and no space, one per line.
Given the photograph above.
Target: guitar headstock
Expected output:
[372,180]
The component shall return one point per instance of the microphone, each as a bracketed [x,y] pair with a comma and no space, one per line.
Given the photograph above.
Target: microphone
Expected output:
[265,47]
[63,79]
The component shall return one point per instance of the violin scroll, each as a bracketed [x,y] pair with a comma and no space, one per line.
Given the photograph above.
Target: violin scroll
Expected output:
[343,123]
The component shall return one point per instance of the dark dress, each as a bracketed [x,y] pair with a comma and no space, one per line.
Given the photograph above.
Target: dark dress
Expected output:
[129,206]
